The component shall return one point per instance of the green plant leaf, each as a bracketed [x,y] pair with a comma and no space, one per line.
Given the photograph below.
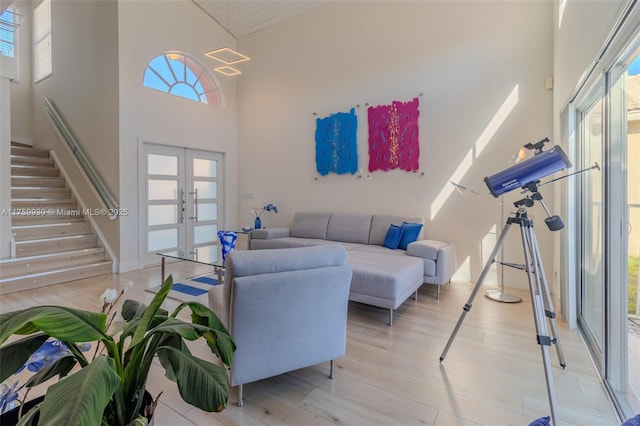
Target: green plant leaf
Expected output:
[60,367]
[151,311]
[80,399]
[222,345]
[218,338]
[15,354]
[139,421]
[201,383]
[27,417]
[63,323]
[133,309]
[202,315]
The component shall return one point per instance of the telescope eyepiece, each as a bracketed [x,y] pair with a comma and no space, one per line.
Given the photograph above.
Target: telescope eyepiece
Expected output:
[537,147]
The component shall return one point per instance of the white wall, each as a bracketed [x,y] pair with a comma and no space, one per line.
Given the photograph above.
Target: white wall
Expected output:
[481,68]
[147,29]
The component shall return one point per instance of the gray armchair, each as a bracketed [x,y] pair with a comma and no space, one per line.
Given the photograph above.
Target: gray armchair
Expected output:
[285,309]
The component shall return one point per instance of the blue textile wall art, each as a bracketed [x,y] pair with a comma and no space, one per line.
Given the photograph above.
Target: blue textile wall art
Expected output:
[336,148]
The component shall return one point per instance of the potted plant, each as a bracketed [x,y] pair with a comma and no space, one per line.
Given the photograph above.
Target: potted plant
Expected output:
[109,388]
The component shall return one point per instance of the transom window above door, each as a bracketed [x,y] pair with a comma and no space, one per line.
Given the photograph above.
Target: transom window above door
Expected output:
[180,75]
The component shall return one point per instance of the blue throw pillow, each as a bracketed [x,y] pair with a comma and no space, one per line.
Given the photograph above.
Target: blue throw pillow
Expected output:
[392,239]
[542,421]
[410,232]
[634,421]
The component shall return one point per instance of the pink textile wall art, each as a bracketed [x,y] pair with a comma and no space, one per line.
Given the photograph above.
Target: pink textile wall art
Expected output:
[393,136]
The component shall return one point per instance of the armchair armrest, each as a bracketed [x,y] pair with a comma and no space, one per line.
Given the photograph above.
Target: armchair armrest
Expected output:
[444,254]
[266,234]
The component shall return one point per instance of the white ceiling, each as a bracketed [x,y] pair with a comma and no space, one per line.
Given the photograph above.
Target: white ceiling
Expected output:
[242,17]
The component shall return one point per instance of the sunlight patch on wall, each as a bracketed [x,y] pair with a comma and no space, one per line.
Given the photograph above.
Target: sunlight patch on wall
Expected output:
[488,244]
[498,119]
[561,6]
[448,188]
[463,273]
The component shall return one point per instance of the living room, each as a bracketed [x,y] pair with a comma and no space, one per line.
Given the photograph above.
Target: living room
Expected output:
[490,77]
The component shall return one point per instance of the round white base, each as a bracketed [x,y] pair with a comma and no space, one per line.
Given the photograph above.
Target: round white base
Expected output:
[500,296]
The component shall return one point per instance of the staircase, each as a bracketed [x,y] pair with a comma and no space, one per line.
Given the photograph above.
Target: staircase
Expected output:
[54,243]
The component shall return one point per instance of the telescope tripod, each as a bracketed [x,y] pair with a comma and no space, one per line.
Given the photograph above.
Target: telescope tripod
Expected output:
[540,298]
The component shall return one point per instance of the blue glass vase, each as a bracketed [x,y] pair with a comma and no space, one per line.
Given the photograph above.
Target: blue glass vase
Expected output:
[257,224]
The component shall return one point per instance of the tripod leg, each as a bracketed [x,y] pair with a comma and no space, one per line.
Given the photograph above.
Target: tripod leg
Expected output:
[542,335]
[548,303]
[476,287]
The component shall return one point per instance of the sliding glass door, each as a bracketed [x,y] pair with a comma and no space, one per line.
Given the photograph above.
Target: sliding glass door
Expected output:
[607,237]
[590,220]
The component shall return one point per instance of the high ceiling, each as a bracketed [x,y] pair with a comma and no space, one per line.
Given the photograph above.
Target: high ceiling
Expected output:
[242,17]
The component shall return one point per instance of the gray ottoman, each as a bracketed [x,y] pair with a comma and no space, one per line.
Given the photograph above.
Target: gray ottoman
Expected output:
[384,280]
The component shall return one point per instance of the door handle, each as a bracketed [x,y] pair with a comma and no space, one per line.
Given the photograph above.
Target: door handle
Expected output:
[181,202]
[195,204]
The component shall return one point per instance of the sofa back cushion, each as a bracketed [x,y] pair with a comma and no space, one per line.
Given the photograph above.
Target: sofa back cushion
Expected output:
[349,228]
[380,226]
[310,225]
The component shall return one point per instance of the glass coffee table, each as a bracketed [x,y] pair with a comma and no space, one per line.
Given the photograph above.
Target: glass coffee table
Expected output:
[207,255]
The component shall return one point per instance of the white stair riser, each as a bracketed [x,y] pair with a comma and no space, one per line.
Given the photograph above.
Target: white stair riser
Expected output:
[54,230]
[29,152]
[31,161]
[55,277]
[34,265]
[18,181]
[34,171]
[30,248]
[41,207]
[48,193]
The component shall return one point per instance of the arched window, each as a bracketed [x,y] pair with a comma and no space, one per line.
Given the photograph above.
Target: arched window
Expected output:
[178,74]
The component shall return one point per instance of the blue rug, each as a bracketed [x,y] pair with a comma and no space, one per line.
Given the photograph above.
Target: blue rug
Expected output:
[205,280]
[187,289]
[190,289]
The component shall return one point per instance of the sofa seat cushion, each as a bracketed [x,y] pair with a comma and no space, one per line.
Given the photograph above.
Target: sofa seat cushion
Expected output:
[287,242]
[384,279]
[376,249]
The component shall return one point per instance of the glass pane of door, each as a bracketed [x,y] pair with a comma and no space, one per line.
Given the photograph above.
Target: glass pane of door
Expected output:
[591,219]
[164,196]
[204,183]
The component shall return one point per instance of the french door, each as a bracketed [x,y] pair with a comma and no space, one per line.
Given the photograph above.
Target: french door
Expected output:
[182,199]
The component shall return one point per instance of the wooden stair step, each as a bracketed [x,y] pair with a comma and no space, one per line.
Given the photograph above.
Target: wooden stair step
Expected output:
[23,266]
[53,216]
[34,171]
[44,205]
[29,152]
[43,279]
[17,160]
[40,192]
[57,244]
[37,181]
[20,144]
[48,230]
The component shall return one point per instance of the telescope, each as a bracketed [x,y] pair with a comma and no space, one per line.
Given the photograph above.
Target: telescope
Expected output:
[526,172]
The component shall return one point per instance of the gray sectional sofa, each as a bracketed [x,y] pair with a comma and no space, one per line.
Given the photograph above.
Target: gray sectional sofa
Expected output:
[382,276]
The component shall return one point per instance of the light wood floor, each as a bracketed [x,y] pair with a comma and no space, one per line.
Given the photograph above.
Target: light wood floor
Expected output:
[493,373]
